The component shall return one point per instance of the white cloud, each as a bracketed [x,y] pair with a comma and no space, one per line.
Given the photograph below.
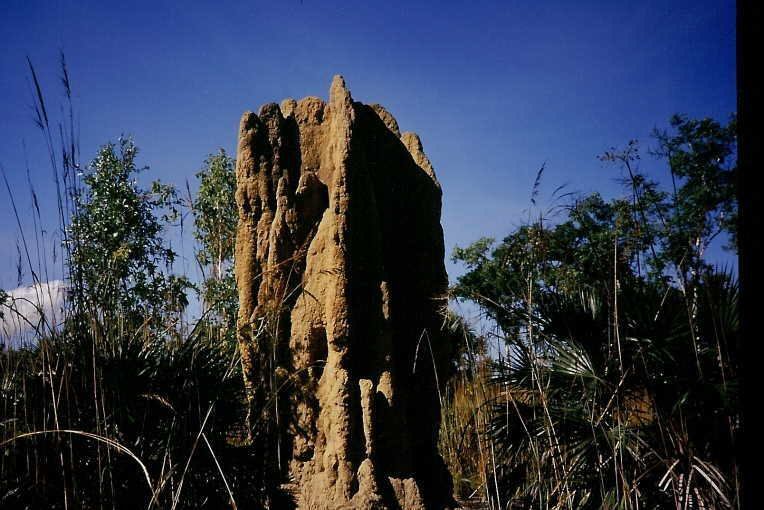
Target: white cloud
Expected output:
[26,309]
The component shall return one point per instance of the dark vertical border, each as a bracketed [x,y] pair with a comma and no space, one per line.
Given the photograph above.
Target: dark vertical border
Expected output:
[750,60]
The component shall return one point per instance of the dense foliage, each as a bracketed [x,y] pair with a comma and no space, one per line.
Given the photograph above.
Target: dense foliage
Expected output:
[617,387]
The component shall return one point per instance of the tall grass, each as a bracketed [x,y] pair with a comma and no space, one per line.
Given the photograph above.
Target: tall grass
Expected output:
[104,408]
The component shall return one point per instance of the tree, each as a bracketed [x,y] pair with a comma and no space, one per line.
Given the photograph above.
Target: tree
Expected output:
[620,373]
[120,263]
[215,218]
[701,155]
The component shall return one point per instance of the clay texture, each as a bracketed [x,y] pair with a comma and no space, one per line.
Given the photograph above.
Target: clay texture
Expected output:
[340,270]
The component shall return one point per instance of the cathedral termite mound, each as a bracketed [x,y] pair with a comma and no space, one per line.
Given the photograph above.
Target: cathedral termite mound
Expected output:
[342,286]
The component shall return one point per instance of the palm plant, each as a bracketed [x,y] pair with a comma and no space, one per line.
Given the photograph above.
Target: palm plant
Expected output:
[618,389]
[589,417]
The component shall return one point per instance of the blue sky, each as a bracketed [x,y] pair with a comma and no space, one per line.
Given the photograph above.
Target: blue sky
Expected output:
[494,89]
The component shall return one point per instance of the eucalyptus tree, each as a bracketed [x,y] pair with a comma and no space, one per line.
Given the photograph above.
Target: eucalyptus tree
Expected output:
[215,218]
[120,262]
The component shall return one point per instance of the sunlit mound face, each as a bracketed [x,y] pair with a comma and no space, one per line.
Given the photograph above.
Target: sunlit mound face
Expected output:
[339,262]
